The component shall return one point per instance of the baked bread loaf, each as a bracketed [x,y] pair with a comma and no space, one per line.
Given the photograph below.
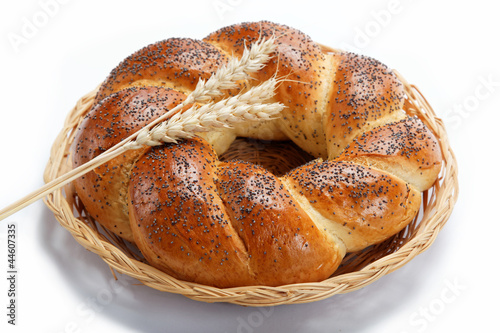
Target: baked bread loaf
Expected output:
[234,223]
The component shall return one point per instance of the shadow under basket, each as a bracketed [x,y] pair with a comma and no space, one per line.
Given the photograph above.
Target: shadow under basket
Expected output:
[357,269]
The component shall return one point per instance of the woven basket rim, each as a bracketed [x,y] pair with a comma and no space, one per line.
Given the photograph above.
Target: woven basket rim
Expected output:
[438,205]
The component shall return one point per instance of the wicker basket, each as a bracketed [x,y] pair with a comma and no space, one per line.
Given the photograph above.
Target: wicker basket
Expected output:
[357,269]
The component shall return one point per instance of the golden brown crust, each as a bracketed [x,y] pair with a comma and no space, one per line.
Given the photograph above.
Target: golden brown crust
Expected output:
[283,243]
[365,94]
[365,205]
[178,220]
[406,148]
[232,223]
[103,190]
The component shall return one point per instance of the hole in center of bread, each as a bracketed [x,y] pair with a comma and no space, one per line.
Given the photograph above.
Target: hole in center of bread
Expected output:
[278,157]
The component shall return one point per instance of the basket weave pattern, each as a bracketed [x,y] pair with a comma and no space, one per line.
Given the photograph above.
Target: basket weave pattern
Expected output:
[357,269]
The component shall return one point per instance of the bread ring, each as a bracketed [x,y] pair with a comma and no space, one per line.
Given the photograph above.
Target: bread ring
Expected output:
[234,223]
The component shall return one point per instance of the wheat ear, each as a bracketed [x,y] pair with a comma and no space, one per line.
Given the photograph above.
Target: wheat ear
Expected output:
[247,106]
[212,116]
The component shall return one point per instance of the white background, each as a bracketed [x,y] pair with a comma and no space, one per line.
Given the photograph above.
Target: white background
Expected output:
[449,49]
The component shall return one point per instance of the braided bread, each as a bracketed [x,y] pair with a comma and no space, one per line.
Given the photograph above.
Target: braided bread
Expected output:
[234,223]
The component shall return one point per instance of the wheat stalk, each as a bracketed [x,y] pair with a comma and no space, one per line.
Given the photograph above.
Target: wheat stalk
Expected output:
[247,106]
[212,116]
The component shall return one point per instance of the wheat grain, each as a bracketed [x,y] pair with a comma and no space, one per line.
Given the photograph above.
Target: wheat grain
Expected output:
[226,77]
